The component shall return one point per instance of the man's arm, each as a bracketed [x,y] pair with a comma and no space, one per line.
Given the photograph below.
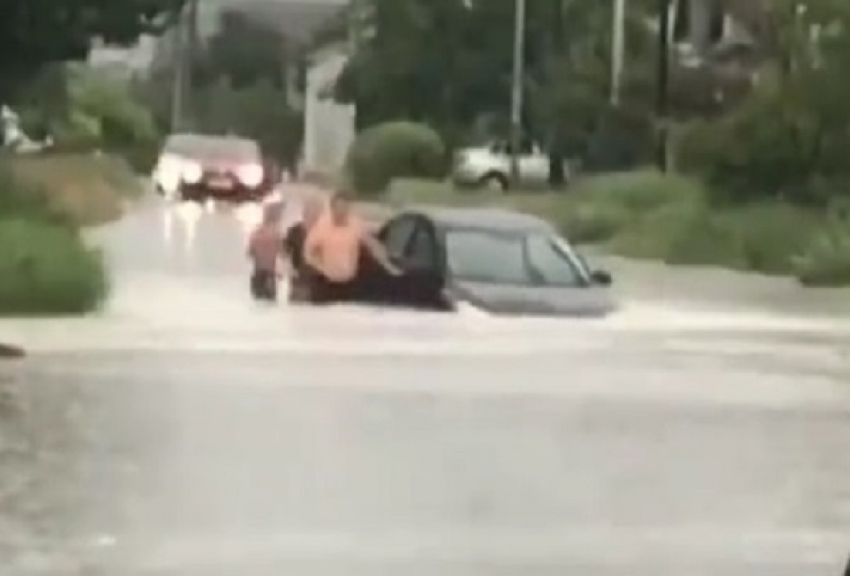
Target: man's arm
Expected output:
[313,248]
[379,253]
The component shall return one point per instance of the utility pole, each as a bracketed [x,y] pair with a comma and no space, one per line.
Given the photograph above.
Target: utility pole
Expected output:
[662,81]
[179,75]
[189,102]
[355,14]
[516,89]
[618,49]
[185,40]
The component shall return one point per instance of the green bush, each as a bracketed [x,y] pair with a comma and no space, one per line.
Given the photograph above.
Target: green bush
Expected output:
[826,260]
[104,113]
[394,150]
[776,146]
[27,200]
[78,132]
[47,270]
[79,189]
[672,218]
[601,206]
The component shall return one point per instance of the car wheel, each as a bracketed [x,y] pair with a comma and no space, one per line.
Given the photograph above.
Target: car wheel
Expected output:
[495,182]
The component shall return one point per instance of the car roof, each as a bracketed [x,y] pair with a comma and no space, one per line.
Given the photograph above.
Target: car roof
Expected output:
[493,219]
[186,142]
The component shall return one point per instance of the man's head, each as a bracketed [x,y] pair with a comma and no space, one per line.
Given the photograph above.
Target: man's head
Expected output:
[340,206]
[311,211]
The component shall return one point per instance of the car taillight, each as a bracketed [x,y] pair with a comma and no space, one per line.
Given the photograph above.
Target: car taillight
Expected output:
[250,175]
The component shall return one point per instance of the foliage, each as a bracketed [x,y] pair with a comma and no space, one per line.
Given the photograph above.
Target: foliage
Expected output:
[394,150]
[600,206]
[44,262]
[123,121]
[123,124]
[238,86]
[644,214]
[47,269]
[43,100]
[26,199]
[34,33]
[788,141]
[826,260]
[449,64]
[83,109]
[75,189]
[244,52]
[258,111]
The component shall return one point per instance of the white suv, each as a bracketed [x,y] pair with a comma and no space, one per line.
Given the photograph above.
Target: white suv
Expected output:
[199,167]
[489,166]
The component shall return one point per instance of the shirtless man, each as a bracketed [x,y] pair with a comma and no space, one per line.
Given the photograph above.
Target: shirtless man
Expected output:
[333,249]
[264,250]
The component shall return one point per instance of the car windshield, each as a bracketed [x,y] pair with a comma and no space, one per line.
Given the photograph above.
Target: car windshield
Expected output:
[519,258]
[212,147]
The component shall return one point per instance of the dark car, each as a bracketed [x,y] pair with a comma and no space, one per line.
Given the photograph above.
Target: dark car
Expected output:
[497,260]
[198,167]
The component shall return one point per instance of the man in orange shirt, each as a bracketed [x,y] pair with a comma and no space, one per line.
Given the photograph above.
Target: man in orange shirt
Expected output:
[333,249]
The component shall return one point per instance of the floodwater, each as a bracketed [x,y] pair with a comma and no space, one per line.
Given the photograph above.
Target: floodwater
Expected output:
[704,429]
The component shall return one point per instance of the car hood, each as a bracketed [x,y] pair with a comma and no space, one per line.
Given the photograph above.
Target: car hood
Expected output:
[590,301]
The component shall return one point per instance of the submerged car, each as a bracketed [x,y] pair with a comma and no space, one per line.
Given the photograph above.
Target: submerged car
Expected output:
[195,167]
[500,261]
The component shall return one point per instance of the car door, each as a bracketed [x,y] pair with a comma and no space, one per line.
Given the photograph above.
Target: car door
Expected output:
[533,166]
[424,278]
[396,234]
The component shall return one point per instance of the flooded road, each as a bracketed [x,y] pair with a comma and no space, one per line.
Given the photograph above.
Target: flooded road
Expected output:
[187,431]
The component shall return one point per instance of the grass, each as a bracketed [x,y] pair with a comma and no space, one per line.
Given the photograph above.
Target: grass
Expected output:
[644,214]
[90,189]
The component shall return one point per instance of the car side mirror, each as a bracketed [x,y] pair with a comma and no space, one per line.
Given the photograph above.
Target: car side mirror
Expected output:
[601,278]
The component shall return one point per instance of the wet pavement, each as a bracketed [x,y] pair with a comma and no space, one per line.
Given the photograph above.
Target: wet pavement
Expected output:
[186,431]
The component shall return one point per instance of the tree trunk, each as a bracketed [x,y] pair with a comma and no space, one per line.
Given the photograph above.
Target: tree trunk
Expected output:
[557,175]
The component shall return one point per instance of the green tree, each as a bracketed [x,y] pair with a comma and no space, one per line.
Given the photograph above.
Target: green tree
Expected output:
[239,85]
[34,33]
[244,51]
[789,139]
[449,63]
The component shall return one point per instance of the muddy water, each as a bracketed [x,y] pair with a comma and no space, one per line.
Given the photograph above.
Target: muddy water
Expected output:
[187,431]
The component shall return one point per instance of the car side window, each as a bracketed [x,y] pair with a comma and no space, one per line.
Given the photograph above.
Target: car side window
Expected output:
[549,265]
[422,251]
[397,235]
[526,148]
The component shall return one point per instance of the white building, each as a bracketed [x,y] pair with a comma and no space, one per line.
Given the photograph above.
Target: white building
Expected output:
[329,127]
